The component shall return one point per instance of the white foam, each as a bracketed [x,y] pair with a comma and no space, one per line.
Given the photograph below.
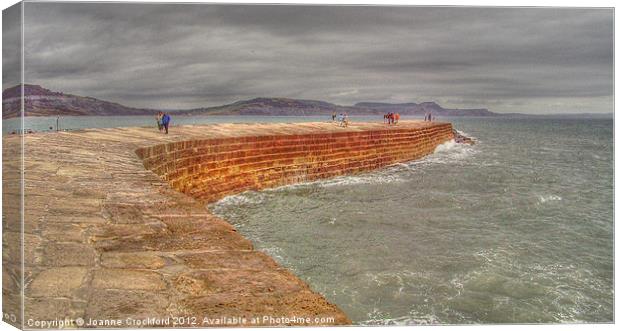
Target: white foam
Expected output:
[383,177]
[380,178]
[463,133]
[547,198]
[447,146]
[246,198]
[278,254]
[448,152]
[415,319]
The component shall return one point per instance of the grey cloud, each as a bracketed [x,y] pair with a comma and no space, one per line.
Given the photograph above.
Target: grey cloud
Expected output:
[193,55]
[11,50]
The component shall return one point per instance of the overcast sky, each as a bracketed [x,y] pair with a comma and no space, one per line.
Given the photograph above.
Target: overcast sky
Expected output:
[192,55]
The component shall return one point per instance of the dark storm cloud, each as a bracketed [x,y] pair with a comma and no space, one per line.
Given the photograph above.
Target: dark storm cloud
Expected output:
[183,56]
[11,52]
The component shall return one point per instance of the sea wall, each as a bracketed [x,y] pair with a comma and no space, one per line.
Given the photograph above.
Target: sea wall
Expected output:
[105,238]
[210,169]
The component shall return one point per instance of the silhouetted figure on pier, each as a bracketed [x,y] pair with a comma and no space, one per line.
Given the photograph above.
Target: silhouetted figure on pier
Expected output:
[165,121]
[159,123]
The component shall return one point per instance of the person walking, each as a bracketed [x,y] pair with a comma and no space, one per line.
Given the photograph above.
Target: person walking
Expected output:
[165,121]
[334,117]
[158,118]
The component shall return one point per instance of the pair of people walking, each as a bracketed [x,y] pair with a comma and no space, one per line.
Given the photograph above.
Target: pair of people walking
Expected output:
[391,118]
[163,121]
[428,117]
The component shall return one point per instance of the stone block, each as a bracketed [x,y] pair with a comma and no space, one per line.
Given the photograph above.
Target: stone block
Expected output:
[63,232]
[48,309]
[128,279]
[121,304]
[134,260]
[57,282]
[68,254]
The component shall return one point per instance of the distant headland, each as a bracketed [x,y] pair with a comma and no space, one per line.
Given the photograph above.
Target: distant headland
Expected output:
[44,102]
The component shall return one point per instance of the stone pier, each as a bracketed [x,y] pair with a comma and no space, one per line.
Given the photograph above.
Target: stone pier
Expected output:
[116,226]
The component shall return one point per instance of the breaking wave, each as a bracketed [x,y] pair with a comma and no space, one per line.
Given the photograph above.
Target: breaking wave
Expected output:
[548,198]
[446,153]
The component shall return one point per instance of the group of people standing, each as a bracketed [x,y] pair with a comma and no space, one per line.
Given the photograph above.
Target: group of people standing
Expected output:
[163,121]
[428,117]
[343,119]
[391,118]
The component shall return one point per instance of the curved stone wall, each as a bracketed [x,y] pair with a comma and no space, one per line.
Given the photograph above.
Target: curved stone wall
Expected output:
[210,169]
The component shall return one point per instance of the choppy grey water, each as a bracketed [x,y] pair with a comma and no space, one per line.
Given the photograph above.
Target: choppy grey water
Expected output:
[518,228]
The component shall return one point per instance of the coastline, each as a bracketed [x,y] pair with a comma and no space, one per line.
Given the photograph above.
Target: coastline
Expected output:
[101,228]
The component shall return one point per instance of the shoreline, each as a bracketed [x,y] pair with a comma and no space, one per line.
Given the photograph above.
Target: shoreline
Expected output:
[96,213]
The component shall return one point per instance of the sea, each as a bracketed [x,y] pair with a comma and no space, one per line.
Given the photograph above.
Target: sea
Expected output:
[517,228]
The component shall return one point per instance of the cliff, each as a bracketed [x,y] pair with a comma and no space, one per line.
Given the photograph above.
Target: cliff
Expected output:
[40,101]
[420,109]
[273,107]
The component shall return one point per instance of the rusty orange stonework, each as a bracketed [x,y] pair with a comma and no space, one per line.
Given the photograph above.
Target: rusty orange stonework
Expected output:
[209,169]
[116,229]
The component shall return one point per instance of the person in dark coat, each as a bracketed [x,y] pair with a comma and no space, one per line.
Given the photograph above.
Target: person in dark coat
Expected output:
[165,121]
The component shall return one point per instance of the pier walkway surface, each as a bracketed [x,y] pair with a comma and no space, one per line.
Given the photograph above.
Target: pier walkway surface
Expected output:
[107,240]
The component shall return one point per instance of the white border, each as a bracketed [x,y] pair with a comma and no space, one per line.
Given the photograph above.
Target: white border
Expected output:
[506,3]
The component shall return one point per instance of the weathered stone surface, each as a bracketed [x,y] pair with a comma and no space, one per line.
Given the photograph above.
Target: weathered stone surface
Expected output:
[124,213]
[249,260]
[12,246]
[127,279]
[301,304]
[124,230]
[12,308]
[132,260]
[86,219]
[63,232]
[11,278]
[57,282]
[85,207]
[68,254]
[121,304]
[228,281]
[47,309]
[116,224]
